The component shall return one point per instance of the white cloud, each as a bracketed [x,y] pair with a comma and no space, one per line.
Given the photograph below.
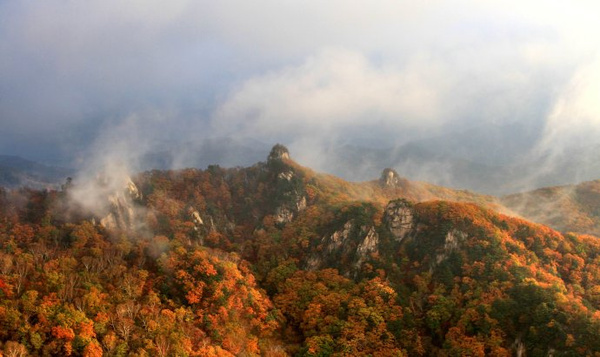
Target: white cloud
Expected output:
[341,92]
[334,89]
[575,118]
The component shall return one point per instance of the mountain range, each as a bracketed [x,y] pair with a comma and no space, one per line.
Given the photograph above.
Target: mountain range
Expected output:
[17,172]
[491,159]
[276,259]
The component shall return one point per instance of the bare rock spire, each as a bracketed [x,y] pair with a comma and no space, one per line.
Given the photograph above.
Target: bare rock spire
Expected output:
[279,153]
[389,178]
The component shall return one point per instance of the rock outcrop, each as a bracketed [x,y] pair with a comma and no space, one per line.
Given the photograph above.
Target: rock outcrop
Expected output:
[348,248]
[338,238]
[278,153]
[451,243]
[294,200]
[369,245]
[199,227]
[283,215]
[121,211]
[195,215]
[389,178]
[399,218]
[289,189]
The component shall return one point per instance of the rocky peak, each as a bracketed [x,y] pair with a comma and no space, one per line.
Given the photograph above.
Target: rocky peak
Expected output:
[389,178]
[279,153]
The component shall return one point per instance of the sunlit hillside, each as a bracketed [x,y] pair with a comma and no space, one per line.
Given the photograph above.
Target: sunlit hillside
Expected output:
[574,208]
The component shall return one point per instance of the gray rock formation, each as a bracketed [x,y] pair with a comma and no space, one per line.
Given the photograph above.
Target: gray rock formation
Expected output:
[399,218]
[348,241]
[279,152]
[451,242]
[338,238]
[195,215]
[285,214]
[389,178]
[294,198]
[370,244]
[286,175]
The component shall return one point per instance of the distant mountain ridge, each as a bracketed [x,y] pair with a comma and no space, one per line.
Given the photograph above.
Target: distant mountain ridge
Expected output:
[566,208]
[16,172]
[225,151]
[491,159]
[570,208]
[496,160]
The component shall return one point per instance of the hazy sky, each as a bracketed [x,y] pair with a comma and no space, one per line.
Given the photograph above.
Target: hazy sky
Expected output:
[305,73]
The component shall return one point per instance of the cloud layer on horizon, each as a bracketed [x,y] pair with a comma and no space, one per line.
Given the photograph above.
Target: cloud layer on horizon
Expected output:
[305,73]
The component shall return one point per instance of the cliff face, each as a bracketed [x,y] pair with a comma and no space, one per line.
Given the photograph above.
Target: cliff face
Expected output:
[288,187]
[294,199]
[399,219]
[347,248]
[358,241]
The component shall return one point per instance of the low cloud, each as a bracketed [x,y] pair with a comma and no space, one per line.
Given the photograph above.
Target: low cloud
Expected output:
[568,145]
[575,117]
[314,76]
[340,97]
[330,92]
[111,161]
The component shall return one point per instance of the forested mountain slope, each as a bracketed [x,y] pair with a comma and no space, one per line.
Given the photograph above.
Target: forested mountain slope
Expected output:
[573,208]
[277,260]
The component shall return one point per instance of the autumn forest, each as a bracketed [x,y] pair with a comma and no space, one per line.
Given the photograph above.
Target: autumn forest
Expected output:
[278,260]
